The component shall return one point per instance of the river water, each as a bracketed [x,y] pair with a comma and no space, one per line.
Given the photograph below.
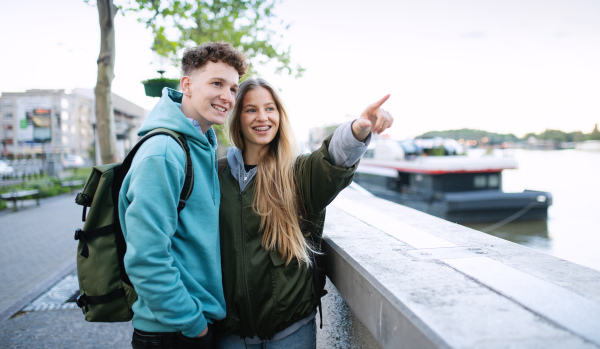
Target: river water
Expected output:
[572,231]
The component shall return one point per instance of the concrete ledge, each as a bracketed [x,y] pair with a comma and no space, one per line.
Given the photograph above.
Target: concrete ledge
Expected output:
[416,281]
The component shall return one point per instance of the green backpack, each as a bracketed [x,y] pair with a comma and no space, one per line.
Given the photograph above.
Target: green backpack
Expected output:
[106,294]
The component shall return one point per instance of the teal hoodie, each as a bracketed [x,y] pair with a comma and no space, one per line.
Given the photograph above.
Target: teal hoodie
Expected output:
[173,263]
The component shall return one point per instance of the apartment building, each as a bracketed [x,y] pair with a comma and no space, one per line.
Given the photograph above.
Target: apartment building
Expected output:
[54,123]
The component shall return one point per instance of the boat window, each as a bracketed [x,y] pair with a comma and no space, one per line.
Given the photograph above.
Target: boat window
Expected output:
[409,147]
[494,181]
[480,181]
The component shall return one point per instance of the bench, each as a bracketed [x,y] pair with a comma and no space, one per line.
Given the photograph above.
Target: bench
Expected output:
[72,184]
[16,195]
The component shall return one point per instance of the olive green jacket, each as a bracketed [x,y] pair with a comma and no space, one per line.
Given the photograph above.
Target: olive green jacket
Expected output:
[264,296]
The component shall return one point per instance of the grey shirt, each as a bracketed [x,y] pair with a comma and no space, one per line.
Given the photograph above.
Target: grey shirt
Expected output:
[344,149]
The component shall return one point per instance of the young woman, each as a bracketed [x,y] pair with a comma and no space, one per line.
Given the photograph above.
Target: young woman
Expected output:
[271,217]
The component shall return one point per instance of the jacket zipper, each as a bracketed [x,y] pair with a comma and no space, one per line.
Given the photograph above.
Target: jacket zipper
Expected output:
[244,265]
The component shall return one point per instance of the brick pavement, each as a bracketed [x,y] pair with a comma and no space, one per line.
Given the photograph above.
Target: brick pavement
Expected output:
[64,329]
[37,247]
[38,250]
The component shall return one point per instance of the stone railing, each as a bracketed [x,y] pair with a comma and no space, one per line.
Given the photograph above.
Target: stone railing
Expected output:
[416,281]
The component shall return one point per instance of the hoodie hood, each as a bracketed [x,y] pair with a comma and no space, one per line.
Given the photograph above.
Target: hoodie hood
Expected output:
[236,164]
[167,114]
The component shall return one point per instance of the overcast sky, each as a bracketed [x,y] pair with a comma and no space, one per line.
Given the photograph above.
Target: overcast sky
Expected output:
[509,66]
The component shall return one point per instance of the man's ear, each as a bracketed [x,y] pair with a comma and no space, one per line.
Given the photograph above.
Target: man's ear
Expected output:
[186,86]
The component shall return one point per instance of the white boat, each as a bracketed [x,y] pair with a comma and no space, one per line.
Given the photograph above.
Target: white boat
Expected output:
[457,188]
[588,145]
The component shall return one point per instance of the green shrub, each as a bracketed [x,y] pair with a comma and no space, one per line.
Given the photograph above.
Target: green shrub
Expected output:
[161,81]
[48,186]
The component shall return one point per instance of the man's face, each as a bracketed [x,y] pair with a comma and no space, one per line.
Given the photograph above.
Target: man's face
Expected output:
[209,93]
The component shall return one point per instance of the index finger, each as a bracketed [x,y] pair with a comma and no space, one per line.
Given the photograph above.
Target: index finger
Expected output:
[380,102]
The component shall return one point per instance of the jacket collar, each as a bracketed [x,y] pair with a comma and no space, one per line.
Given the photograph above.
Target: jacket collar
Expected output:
[236,163]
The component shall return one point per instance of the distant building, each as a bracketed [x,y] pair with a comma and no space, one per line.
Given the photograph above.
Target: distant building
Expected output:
[316,135]
[54,123]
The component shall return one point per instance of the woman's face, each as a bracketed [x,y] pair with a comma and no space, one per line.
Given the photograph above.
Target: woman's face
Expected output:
[259,118]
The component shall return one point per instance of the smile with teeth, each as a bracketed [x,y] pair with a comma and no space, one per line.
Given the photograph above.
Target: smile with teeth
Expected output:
[261,128]
[219,108]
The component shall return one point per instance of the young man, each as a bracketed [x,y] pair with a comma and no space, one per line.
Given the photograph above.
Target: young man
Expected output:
[173,260]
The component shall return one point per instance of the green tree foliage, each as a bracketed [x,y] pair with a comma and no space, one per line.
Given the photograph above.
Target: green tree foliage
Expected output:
[246,24]
[576,136]
[553,135]
[176,24]
[495,138]
[466,133]
[595,135]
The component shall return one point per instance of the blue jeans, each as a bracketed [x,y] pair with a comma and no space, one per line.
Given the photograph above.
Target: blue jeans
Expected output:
[304,338]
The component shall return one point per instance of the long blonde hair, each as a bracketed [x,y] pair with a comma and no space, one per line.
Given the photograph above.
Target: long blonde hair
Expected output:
[276,199]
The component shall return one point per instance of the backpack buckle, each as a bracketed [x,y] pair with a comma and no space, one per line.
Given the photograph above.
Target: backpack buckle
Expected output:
[86,200]
[82,302]
[85,251]
[181,205]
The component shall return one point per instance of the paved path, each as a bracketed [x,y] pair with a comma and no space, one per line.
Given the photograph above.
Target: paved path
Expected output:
[37,245]
[64,329]
[38,250]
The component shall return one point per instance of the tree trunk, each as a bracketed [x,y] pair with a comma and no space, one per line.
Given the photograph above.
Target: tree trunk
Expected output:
[105,117]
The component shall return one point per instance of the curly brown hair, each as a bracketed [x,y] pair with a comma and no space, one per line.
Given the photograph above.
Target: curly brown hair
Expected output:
[197,57]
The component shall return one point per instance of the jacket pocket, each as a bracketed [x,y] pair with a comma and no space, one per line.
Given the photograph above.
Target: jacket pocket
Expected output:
[276,258]
[292,286]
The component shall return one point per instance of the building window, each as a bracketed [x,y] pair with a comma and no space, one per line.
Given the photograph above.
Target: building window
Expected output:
[41,134]
[39,119]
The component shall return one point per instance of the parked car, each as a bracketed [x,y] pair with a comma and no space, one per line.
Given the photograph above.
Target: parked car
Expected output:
[5,169]
[73,161]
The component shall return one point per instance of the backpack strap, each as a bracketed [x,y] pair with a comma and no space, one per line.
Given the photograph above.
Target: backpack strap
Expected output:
[221,164]
[188,184]
[84,300]
[122,170]
[317,279]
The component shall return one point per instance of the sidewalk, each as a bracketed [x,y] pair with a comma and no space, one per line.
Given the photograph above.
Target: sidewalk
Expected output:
[37,256]
[36,252]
